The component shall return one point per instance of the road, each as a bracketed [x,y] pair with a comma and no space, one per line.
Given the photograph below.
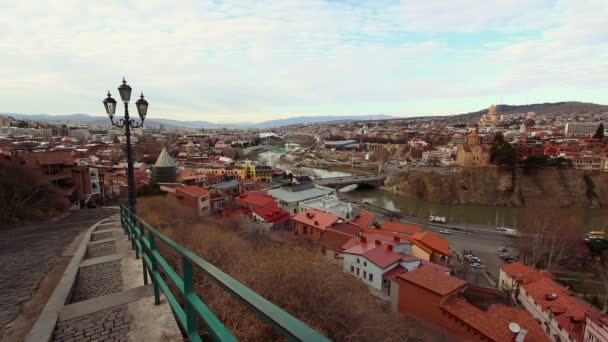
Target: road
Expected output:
[483,240]
[29,251]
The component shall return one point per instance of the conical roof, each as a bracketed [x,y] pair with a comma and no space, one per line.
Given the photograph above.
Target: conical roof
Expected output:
[164,159]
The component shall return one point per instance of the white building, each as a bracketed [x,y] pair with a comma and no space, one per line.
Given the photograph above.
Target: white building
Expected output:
[376,262]
[561,315]
[596,328]
[330,204]
[289,197]
[579,129]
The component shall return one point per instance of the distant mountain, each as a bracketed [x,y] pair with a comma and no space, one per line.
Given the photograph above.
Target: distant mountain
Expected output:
[199,124]
[313,119]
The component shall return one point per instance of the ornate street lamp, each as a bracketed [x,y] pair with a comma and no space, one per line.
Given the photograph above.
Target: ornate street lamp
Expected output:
[127,123]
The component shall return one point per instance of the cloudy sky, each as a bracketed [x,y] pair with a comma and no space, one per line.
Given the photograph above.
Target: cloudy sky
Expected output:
[231,61]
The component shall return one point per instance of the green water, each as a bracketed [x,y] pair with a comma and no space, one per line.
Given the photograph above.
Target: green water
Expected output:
[592,219]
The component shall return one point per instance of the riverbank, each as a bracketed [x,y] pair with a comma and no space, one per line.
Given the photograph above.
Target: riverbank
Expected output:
[353,170]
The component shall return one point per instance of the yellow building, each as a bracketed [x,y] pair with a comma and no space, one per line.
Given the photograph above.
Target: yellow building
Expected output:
[490,119]
[227,172]
[473,153]
[259,173]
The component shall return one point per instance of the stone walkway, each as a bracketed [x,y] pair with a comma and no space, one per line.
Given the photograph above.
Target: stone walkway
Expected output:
[110,302]
[28,252]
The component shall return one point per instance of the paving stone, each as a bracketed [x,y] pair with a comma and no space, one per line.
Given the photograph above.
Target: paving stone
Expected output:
[102,249]
[97,280]
[29,251]
[64,331]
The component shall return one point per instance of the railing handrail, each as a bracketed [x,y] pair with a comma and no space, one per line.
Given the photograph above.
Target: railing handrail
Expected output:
[287,324]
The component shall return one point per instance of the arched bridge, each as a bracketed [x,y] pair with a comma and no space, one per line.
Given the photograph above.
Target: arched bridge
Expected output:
[278,150]
[341,182]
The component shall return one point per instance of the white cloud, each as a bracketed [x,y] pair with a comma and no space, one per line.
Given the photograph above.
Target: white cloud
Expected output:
[251,60]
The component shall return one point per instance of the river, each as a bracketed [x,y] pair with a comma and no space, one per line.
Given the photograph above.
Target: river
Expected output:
[592,219]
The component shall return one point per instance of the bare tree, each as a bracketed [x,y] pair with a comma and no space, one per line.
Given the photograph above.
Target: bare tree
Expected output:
[550,239]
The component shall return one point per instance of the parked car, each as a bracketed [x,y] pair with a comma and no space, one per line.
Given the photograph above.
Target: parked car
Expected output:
[445,231]
[502,249]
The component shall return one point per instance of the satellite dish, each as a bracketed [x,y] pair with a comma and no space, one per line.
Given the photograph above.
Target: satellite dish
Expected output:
[514,327]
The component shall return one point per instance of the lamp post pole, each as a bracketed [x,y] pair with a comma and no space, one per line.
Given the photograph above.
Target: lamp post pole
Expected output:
[127,123]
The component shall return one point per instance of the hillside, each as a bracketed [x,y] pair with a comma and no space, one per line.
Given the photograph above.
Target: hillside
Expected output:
[548,109]
[506,187]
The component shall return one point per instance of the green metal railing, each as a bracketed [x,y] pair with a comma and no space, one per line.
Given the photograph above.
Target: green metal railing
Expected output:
[145,246]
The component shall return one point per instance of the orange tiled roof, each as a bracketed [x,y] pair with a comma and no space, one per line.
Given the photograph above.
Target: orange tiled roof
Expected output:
[433,280]
[254,199]
[49,158]
[364,219]
[193,190]
[399,227]
[494,323]
[433,241]
[316,218]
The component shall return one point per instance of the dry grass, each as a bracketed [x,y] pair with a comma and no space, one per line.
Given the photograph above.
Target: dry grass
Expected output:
[289,274]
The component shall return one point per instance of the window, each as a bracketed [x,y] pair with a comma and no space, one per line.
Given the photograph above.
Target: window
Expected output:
[371,277]
[365,263]
[358,260]
[364,274]
[323,251]
[305,232]
[357,270]
[352,269]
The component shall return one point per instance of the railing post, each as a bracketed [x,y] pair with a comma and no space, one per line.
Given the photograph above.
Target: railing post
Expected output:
[143,250]
[188,291]
[133,236]
[154,268]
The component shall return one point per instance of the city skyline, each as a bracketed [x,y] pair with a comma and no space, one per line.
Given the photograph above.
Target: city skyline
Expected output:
[235,62]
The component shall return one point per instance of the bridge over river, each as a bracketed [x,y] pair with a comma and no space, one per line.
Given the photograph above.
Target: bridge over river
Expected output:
[374,180]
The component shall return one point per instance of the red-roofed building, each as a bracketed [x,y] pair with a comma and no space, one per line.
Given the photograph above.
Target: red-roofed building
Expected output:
[271,216]
[331,244]
[371,259]
[562,314]
[401,228]
[436,297]
[364,219]
[253,200]
[194,197]
[312,223]
[596,327]
[431,247]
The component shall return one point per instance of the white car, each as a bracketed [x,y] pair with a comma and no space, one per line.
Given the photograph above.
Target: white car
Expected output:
[445,231]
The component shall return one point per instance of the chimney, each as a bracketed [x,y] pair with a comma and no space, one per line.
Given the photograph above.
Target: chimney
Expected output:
[363,239]
[316,223]
[396,239]
[389,247]
[377,242]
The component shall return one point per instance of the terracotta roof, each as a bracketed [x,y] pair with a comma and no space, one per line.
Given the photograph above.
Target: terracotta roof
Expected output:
[334,240]
[364,219]
[432,241]
[399,227]
[347,228]
[494,323]
[432,280]
[436,267]
[393,273]
[254,199]
[383,255]
[271,212]
[521,272]
[316,218]
[193,190]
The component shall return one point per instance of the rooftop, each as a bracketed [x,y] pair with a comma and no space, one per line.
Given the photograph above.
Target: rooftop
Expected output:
[297,196]
[432,280]
[402,228]
[316,218]
[193,190]
[432,241]
[254,199]
[271,212]
[164,159]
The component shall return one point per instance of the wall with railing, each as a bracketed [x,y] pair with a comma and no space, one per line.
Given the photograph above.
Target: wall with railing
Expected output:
[144,239]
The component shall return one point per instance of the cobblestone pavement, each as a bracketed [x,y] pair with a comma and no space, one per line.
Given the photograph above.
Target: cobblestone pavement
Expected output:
[102,236]
[111,325]
[97,280]
[29,251]
[99,250]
